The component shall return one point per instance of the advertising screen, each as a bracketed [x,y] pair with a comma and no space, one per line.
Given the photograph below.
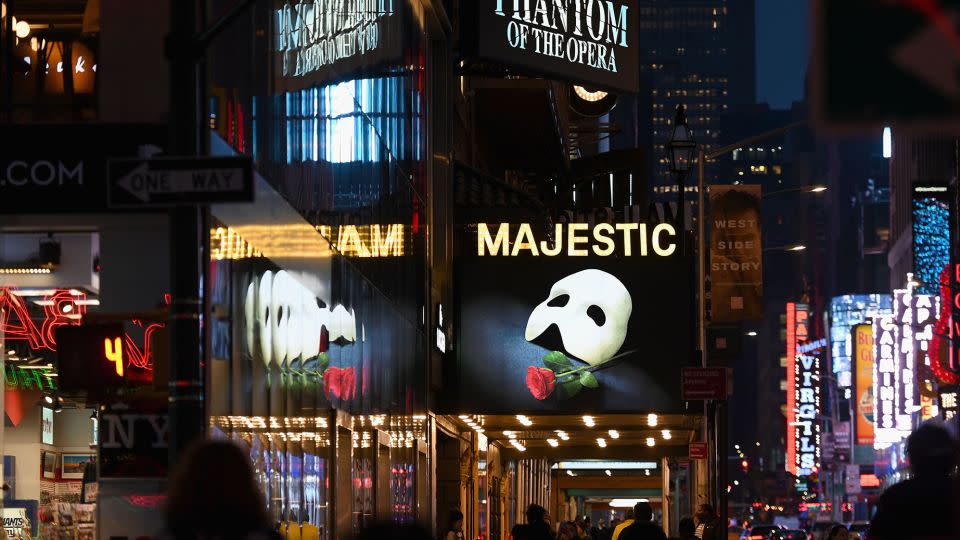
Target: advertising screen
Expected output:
[863,388]
[593,43]
[593,325]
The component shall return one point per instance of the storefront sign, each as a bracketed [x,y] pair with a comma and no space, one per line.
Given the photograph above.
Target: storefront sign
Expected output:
[574,332]
[863,388]
[698,383]
[134,440]
[318,39]
[736,262]
[576,240]
[698,450]
[797,331]
[595,42]
[845,312]
[56,169]
[890,425]
[807,369]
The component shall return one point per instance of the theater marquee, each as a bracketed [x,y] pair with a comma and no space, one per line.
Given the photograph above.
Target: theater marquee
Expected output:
[594,42]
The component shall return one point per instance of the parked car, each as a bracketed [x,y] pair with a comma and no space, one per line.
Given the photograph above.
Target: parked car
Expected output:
[790,534]
[762,532]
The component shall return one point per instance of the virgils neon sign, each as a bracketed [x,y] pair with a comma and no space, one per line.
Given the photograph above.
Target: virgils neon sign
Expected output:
[574,239]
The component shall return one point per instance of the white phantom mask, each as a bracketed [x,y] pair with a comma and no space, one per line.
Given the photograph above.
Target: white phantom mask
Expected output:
[264,322]
[343,324]
[284,320]
[591,308]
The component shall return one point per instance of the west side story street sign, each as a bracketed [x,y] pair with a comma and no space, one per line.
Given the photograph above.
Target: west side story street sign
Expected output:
[171,181]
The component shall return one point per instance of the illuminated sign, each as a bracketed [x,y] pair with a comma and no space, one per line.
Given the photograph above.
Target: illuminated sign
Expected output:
[889,426]
[791,409]
[29,379]
[367,240]
[845,312]
[113,353]
[594,42]
[869,480]
[46,425]
[316,37]
[61,307]
[948,402]
[931,235]
[864,403]
[945,345]
[577,240]
[807,398]
[226,243]
[441,341]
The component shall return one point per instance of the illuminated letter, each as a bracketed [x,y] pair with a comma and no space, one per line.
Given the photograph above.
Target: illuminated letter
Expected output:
[114,353]
[606,240]
[493,245]
[617,26]
[627,242]
[573,240]
[557,242]
[657,248]
[524,241]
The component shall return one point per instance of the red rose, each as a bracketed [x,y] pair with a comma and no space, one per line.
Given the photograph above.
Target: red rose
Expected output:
[541,382]
[340,382]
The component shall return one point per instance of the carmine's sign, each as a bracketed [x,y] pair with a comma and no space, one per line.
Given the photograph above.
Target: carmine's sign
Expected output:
[591,42]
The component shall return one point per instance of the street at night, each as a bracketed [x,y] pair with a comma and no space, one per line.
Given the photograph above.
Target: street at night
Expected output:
[480,269]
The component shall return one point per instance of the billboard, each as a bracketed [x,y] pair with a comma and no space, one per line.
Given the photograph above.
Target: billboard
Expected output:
[736,260]
[845,312]
[572,318]
[592,43]
[863,388]
[931,235]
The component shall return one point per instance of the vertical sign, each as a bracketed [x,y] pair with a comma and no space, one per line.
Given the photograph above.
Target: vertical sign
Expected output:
[863,387]
[807,428]
[791,403]
[736,270]
[931,235]
[46,425]
[886,382]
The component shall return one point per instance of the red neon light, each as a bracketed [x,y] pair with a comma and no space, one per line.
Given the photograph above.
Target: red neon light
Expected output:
[941,345]
[791,385]
[21,327]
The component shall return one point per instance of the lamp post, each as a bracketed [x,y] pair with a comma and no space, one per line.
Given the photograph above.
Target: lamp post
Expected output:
[681,149]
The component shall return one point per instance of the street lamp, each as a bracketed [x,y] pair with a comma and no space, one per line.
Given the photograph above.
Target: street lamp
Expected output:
[681,149]
[813,188]
[788,247]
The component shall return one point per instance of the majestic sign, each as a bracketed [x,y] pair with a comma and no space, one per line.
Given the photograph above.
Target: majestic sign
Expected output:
[736,271]
[316,40]
[863,387]
[578,240]
[595,42]
[582,329]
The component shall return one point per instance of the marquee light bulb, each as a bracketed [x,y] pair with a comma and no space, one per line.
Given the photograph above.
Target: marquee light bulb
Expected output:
[553,443]
[651,441]
[589,95]
[589,421]
[22,29]
[652,420]
[667,435]
[614,434]
[601,443]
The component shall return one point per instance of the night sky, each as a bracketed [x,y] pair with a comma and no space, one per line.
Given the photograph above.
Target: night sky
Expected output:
[782,51]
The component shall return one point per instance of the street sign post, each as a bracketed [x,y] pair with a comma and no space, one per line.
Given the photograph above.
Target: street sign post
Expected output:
[166,182]
[706,383]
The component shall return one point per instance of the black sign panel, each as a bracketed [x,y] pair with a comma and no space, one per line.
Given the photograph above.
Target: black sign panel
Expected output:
[98,360]
[63,168]
[559,333]
[180,181]
[134,438]
[594,43]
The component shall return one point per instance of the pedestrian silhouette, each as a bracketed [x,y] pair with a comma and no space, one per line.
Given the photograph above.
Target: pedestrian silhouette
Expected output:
[536,527]
[921,507]
[643,527]
[213,495]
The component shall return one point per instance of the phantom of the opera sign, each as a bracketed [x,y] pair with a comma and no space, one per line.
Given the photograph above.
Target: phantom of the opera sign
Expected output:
[571,317]
[591,42]
[322,40]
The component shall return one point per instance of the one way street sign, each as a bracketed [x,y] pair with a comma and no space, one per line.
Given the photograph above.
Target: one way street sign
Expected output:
[162,182]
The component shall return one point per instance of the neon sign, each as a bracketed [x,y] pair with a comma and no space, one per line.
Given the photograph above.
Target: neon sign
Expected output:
[28,379]
[578,240]
[807,429]
[889,427]
[367,240]
[944,351]
[797,332]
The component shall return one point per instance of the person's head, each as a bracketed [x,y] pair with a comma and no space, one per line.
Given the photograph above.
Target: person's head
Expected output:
[705,513]
[838,532]
[687,528]
[642,512]
[628,514]
[213,493]
[932,451]
[567,531]
[455,520]
[536,514]
[582,527]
